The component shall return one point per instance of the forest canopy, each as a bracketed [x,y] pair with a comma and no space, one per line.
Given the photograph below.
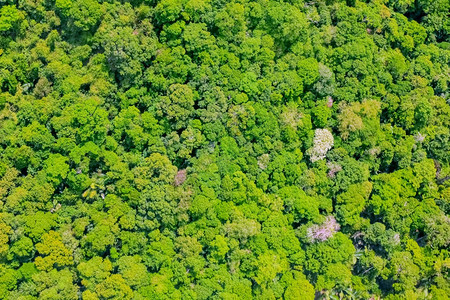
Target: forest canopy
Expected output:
[211,149]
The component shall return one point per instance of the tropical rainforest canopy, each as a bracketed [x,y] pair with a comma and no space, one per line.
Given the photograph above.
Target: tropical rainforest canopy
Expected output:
[213,149]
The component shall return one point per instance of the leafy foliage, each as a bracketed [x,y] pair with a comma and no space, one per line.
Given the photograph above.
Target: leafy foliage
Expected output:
[205,149]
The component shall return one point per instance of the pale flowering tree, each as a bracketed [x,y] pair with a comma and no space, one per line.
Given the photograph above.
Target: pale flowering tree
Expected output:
[180,177]
[419,138]
[329,102]
[323,141]
[321,233]
[263,161]
[333,168]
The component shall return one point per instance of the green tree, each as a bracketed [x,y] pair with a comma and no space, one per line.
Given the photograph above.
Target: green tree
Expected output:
[10,17]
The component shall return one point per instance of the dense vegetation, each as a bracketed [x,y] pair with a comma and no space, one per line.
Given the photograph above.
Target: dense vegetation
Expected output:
[212,149]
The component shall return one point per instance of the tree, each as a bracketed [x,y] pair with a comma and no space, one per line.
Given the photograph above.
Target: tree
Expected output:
[404,271]
[299,289]
[4,238]
[133,271]
[269,266]
[36,225]
[84,14]
[178,105]
[57,169]
[352,203]
[323,141]
[114,287]
[336,276]
[53,251]
[10,17]
[55,284]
